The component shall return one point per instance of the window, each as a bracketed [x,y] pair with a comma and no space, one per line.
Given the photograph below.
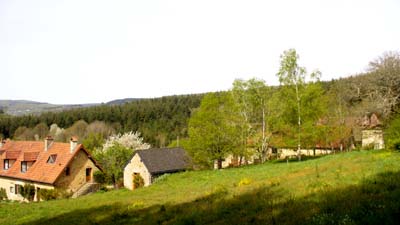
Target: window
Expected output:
[24,166]
[6,164]
[12,189]
[52,158]
[67,171]
[18,189]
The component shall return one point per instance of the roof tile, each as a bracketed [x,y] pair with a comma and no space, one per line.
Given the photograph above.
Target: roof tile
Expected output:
[40,171]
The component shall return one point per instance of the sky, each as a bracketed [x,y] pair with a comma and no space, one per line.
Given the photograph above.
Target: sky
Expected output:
[81,51]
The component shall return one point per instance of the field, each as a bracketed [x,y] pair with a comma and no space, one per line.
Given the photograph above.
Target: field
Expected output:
[360,187]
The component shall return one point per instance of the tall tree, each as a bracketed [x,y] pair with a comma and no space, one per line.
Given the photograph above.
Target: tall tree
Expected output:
[252,97]
[213,129]
[41,130]
[295,77]
[386,71]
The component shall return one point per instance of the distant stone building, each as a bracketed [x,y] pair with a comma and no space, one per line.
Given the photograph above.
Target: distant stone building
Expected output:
[151,163]
[45,165]
[372,133]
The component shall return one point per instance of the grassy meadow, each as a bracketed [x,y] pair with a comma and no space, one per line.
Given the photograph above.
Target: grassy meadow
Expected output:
[360,187]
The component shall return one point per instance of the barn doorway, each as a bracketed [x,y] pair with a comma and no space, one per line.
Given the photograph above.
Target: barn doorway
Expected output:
[88,174]
[137,181]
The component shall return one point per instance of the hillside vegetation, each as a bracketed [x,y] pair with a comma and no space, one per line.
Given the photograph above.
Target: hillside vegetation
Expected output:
[330,113]
[158,120]
[360,187]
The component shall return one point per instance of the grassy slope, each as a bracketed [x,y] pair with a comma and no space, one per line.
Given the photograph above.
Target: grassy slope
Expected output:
[352,188]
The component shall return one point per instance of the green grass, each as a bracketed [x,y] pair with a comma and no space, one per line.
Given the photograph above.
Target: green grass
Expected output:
[361,187]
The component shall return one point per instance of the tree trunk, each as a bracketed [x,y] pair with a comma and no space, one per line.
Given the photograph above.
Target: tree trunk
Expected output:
[263,144]
[114,181]
[219,163]
[299,123]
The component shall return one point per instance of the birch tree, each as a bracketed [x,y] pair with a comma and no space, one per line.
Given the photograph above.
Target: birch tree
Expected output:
[251,98]
[293,76]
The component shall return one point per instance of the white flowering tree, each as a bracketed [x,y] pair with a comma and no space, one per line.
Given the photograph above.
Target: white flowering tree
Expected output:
[130,140]
[116,151]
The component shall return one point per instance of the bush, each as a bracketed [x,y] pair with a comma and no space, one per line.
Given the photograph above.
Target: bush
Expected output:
[99,177]
[138,181]
[50,194]
[47,194]
[62,193]
[28,192]
[392,134]
[3,194]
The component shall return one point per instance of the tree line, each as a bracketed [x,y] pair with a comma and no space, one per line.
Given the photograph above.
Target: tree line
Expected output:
[302,112]
[159,120]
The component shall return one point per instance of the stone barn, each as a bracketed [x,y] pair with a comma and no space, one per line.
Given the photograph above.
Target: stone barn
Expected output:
[151,163]
[372,133]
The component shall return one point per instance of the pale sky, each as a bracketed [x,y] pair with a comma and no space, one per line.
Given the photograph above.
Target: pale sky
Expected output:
[79,51]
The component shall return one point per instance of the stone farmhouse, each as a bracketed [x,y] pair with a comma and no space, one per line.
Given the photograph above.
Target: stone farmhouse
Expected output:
[372,133]
[151,163]
[46,165]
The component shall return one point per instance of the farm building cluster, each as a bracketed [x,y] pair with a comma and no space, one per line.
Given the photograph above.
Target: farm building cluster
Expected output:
[68,166]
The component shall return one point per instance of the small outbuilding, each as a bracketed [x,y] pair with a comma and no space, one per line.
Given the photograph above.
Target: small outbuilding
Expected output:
[372,133]
[152,163]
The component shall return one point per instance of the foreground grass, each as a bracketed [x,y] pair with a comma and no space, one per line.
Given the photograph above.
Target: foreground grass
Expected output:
[351,188]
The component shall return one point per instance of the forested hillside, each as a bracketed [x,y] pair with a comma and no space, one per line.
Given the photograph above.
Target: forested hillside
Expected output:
[159,119]
[332,108]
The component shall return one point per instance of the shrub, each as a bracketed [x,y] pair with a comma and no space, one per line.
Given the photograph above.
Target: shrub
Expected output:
[103,188]
[138,181]
[392,134]
[49,194]
[99,177]
[3,194]
[28,192]
[62,193]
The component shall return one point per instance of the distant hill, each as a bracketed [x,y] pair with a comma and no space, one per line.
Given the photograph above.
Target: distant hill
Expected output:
[122,101]
[24,107]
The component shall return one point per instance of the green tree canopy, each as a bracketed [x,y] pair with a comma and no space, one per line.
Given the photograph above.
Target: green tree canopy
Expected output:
[293,79]
[213,129]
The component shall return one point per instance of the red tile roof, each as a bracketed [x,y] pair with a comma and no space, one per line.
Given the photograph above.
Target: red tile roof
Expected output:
[30,156]
[40,171]
[12,154]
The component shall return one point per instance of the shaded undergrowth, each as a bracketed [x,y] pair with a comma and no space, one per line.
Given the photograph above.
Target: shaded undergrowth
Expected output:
[375,200]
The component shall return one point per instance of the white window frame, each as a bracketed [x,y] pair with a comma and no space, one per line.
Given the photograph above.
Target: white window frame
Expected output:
[6,165]
[24,166]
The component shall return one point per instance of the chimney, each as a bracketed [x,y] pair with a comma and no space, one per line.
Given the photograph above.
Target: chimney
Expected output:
[47,142]
[74,143]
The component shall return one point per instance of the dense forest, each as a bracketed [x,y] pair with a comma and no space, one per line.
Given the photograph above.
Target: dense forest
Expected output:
[159,120]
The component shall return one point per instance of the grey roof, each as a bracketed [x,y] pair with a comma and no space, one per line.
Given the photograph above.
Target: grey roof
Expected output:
[164,160]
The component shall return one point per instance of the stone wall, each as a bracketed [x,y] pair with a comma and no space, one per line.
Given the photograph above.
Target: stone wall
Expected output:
[281,153]
[9,185]
[373,138]
[285,152]
[136,166]
[77,173]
